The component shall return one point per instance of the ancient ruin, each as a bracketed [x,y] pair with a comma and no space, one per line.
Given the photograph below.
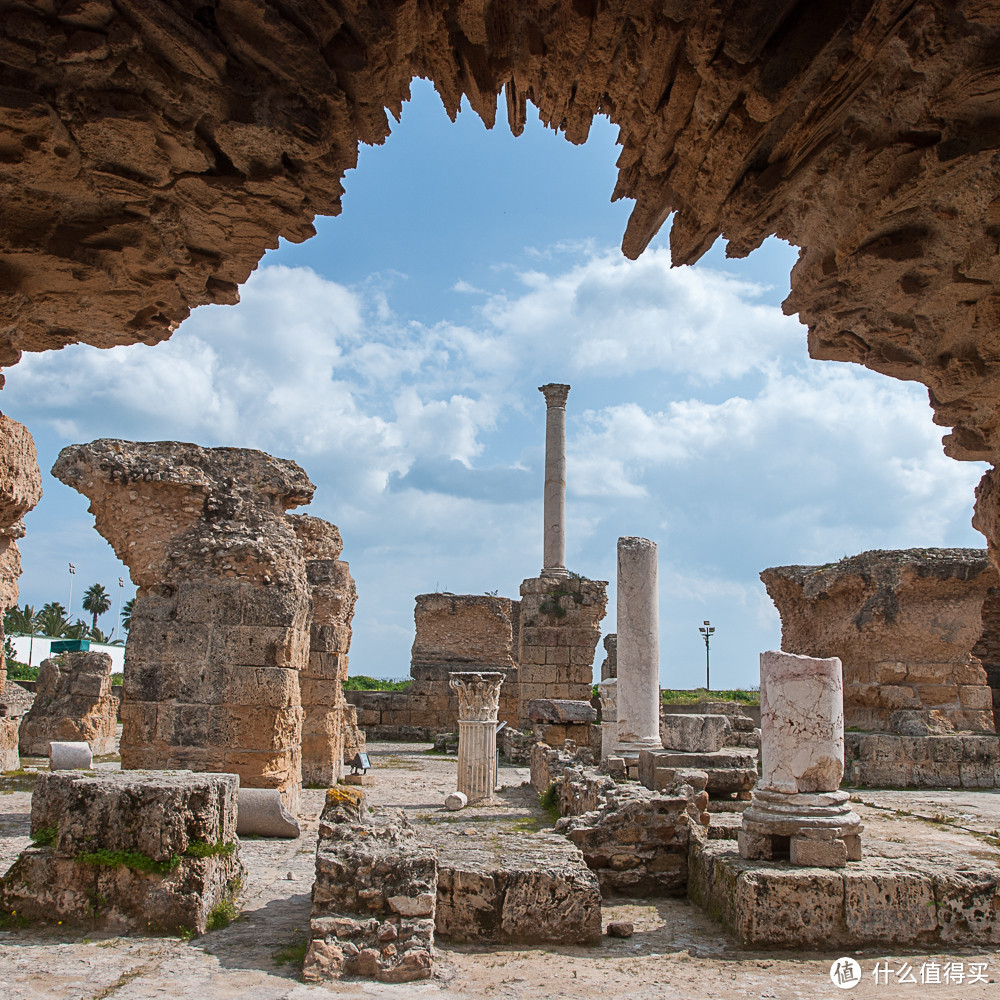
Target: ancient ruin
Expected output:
[321,680]
[128,851]
[20,490]
[798,810]
[151,152]
[638,647]
[478,699]
[608,689]
[904,625]
[73,702]
[220,631]
[452,632]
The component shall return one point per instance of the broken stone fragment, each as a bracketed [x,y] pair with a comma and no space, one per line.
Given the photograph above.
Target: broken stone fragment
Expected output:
[694,733]
[456,801]
[620,929]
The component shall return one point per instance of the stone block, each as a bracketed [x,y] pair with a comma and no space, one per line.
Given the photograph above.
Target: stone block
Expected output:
[43,886]
[456,801]
[808,852]
[977,696]
[692,733]
[561,711]
[158,813]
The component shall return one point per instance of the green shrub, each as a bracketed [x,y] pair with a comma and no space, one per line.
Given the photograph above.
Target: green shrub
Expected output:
[670,696]
[221,915]
[362,682]
[128,859]
[45,837]
[200,849]
[21,671]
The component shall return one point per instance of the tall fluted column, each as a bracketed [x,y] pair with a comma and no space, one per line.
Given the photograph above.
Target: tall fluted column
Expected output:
[478,701]
[554,562]
[638,645]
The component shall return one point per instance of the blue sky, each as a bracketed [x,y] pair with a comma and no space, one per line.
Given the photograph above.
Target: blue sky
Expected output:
[396,356]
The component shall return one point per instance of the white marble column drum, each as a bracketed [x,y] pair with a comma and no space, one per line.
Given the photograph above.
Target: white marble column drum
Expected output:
[798,811]
[609,717]
[638,646]
[478,703]
[554,513]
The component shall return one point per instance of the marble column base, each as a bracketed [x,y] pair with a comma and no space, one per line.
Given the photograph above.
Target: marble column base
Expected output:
[805,828]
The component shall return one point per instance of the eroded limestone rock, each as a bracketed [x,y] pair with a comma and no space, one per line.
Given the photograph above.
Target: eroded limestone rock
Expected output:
[904,624]
[321,680]
[220,630]
[73,703]
[128,851]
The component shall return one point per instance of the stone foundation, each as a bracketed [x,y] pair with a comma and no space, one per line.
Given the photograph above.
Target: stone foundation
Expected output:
[128,852]
[9,758]
[878,760]
[73,703]
[874,903]
[560,630]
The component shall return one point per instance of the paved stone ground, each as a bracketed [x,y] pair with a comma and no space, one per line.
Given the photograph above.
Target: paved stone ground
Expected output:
[676,952]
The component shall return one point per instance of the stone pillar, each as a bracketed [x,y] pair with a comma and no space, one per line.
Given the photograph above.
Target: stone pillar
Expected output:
[220,630]
[20,490]
[325,723]
[478,701]
[609,717]
[554,563]
[638,646]
[798,811]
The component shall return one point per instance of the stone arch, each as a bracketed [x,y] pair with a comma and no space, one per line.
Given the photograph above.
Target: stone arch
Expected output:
[151,152]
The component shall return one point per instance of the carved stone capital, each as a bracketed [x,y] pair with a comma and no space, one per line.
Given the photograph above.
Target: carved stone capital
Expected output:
[478,695]
[555,393]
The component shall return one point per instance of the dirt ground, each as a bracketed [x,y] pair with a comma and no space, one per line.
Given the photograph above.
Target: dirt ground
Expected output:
[675,952]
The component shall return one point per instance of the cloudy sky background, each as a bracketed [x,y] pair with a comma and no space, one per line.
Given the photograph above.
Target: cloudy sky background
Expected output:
[396,357]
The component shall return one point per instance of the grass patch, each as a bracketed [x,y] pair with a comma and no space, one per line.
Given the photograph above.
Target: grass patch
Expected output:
[549,801]
[12,921]
[221,915]
[292,954]
[134,860]
[45,837]
[362,682]
[670,696]
[200,849]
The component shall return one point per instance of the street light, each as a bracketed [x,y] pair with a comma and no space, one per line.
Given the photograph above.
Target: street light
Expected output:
[706,631]
[118,620]
[69,603]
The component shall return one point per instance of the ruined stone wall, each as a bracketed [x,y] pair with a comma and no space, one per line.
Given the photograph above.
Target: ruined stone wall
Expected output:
[73,702]
[454,632]
[220,630]
[560,630]
[325,724]
[987,649]
[903,623]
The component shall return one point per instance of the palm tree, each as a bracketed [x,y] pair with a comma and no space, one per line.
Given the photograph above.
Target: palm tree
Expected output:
[78,630]
[127,609]
[20,621]
[52,619]
[96,601]
[98,636]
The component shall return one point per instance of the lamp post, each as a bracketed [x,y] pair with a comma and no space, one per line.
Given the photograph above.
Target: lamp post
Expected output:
[69,603]
[706,631]
[118,620]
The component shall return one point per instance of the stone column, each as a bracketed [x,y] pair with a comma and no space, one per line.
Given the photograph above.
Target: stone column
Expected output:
[555,479]
[798,811]
[609,717]
[478,701]
[220,630]
[638,646]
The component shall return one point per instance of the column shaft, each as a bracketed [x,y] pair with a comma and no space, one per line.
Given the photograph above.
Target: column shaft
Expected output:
[638,645]
[554,513]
